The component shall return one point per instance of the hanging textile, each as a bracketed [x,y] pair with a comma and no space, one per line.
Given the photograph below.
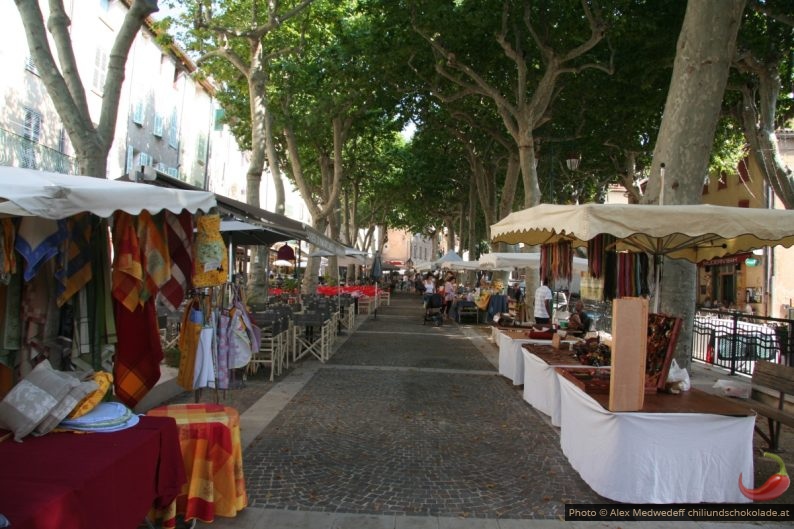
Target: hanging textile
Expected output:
[610,274]
[210,267]
[38,241]
[8,260]
[127,265]
[74,260]
[138,353]
[597,249]
[189,333]
[98,317]
[179,233]
[556,261]
[155,260]
[204,371]
[223,371]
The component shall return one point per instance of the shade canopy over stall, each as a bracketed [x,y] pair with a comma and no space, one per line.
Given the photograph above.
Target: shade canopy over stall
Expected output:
[691,232]
[27,192]
[506,261]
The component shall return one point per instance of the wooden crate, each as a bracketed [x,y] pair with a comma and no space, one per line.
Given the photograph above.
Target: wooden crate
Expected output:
[629,348]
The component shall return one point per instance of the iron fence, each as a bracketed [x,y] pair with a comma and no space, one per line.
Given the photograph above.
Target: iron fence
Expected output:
[735,340]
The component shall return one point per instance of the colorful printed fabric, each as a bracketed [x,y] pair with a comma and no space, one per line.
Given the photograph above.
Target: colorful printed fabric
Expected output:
[189,335]
[210,268]
[74,264]
[38,240]
[179,233]
[154,255]
[127,266]
[209,435]
[8,261]
[138,352]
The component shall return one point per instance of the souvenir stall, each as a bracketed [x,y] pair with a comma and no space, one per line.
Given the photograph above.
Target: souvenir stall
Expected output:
[655,446]
[73,326]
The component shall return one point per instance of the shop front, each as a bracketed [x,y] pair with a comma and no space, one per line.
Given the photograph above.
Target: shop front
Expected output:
[732,282]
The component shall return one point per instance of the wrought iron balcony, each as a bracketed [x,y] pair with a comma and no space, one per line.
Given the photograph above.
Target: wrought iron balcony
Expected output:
[17,151]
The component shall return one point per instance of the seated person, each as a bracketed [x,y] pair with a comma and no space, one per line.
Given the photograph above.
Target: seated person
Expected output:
[579,320]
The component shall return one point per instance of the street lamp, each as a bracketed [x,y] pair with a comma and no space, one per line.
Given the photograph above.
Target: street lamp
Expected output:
[573,162]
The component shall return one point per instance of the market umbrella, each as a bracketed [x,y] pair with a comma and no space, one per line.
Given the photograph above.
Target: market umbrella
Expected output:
[449,257]
[691,232]
[377,268]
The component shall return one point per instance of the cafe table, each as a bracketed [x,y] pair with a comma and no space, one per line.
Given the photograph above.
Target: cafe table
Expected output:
[209,436]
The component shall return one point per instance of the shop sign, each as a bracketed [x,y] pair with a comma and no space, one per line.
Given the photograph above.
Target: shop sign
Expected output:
[730,259]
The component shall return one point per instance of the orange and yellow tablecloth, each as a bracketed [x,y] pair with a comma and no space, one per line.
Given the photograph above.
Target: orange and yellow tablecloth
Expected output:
[209,436]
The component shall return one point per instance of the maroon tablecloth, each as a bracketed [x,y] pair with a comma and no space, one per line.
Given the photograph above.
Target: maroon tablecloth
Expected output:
[95,480]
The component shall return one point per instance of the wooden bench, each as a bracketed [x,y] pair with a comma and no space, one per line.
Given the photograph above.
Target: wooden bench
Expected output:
[776,378]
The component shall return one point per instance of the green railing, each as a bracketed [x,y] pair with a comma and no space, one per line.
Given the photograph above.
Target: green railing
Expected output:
[17,151]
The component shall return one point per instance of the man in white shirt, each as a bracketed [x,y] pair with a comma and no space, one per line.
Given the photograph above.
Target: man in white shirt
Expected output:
[543,302]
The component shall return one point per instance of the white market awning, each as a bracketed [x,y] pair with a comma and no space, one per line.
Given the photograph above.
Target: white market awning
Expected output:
[28,192]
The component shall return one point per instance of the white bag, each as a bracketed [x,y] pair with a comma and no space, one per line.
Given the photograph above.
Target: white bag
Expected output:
[733,388]
[678,375]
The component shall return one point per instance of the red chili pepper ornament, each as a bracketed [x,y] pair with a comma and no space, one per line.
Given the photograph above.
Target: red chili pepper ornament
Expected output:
[774,487]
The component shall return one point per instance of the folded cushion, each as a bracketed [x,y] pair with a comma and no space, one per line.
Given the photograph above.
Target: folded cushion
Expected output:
[67,404]
[33,398]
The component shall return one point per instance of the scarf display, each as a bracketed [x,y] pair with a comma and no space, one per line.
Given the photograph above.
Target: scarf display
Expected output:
[38,240]
[556,261]
[138,352]
[179,232]
[597,249]
[74,261]
[155,258]
[127,264]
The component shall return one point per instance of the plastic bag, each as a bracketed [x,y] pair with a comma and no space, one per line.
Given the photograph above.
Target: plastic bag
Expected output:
[733,388]
[678,376]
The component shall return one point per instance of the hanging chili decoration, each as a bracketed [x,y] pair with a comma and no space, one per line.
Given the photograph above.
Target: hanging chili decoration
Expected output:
[774,487]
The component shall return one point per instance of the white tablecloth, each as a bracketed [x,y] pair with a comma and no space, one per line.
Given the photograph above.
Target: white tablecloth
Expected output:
[656,457]
[511,358]
[541,388]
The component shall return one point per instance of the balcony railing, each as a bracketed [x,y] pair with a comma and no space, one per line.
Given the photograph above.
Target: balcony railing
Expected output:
[735,341]
[17,151]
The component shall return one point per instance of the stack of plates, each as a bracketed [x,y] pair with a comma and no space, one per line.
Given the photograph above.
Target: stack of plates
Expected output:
[105,417]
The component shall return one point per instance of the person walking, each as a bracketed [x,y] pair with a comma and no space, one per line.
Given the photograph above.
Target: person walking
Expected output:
[543,302]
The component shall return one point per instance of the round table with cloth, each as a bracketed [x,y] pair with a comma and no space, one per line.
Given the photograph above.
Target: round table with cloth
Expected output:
[209,436]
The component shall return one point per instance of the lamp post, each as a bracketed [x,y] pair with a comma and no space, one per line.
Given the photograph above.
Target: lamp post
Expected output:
[573,161]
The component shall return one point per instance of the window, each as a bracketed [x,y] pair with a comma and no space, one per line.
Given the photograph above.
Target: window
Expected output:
[130,157]
[31,131]
[100,71]
[138,113]
[159,125]
[30,65]
[722,183]
[744,203]
[172,171]
[104,5]
[143,159]
[201,148]
[173,129]
[743,170]
[220,115]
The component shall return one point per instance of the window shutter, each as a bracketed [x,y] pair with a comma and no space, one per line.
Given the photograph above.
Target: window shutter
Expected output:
[130,158]
[100,70]
[173,140]
[137,113]
[201,148]
[171,171]
[143,159]
[220,115]
[32,129]
[158,125]
[30,65]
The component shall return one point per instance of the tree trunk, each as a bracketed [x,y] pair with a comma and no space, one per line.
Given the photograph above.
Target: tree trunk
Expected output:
[700,72]
[273,163]
[529,171]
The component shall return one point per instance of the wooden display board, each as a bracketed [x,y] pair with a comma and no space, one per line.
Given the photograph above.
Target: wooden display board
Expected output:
[629,349]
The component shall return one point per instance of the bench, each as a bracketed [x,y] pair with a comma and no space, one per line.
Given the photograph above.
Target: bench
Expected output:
[776,378]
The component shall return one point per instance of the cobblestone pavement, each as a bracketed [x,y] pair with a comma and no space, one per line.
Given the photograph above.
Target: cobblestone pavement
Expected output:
[411,419]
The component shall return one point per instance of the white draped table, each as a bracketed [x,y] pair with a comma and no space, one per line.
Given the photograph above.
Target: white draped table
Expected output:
[511,358]
[643,457]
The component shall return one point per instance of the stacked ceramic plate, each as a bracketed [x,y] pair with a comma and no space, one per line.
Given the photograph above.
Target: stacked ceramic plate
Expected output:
[105,417]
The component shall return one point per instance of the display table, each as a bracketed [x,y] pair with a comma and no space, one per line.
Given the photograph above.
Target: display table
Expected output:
[511,358]
[209,435]
[541,388]
[664,456]
[92,480]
